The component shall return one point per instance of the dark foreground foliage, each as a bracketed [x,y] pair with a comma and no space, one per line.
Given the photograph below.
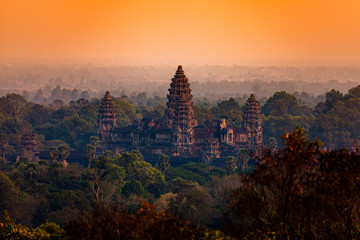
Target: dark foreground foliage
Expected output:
[299,192]
[47,231]
[112,222]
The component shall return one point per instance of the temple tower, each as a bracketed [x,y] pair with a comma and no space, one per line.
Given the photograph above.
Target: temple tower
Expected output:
[253,121]
[180,114]
[106,118]
[29,145]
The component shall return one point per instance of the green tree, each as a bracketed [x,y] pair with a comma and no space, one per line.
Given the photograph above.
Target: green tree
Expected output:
[9,194]
[203,114]
[3,144]
[39,115]
[230,110]
[230,164]
[63,152]
[279,104]
[105,178]
[193,203]
[332,98]
[10,230]
[90,150]
[17,106]
[164,163]
[110,222]
[94,140]
[53,153]
[282,103]
[277,199]
[243,159]
[90,153]
[334,130]
[126,112]
[144,173]
[275,126]
[133,187]
[164,201]
[355,91]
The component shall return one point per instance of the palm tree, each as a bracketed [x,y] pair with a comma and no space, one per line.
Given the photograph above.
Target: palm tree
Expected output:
[90,153]
[53,154]
[63,152]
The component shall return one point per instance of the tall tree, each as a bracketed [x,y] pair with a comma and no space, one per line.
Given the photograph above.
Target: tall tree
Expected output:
[63,152]
[90,150]
[300,192]
[53,154]
[90,153]
[17,106]
[230,164]
[272,143]
[164,163]
[3,143]
[243,159]
[272,198]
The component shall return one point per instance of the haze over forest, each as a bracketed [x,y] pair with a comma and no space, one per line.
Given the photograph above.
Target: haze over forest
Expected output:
[228,49]
[215,82]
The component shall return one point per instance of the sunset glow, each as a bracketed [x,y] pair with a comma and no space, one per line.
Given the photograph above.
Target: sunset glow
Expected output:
[195,31]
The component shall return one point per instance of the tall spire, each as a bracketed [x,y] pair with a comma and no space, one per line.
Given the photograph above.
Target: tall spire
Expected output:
[180,114]
[107,117]
[29,144]
[252,114]
[179,101]
[253,119]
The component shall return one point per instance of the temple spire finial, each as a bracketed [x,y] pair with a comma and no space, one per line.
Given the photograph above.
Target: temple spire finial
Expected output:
[179,71]
[107,96]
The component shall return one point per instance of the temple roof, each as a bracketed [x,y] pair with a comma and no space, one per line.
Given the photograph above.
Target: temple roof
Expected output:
[252,113]
[240,131]
[107,96]
[107,104]
[107,113]
[179,71]
[252,97]
[252,104]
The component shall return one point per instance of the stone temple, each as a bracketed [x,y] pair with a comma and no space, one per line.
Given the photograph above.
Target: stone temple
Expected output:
[178,133]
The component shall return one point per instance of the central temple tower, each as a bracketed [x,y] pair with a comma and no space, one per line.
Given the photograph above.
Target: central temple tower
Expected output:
[179,115]
[106,119]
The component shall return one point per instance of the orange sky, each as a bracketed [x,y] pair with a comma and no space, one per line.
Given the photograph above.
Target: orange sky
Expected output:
[167,31]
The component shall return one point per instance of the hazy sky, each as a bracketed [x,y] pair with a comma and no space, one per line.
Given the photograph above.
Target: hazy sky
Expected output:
[171,31]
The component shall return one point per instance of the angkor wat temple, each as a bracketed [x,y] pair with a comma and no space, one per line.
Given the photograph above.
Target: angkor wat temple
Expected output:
[178,133]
